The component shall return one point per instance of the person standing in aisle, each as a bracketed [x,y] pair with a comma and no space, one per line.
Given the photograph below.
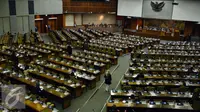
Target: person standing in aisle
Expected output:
[108,80]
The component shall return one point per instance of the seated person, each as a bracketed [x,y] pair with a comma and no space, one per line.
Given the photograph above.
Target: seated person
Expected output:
[190,70]
[69,50]
[15,61]
[195,95]
[140,76]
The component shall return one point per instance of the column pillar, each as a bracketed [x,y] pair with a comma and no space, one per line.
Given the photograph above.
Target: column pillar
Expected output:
[13,17]
[31,17]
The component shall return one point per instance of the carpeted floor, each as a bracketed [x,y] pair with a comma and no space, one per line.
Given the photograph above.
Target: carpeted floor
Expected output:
[46,38]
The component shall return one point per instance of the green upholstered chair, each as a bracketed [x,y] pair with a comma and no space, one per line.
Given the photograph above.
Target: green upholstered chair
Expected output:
[160,88]
[150,88]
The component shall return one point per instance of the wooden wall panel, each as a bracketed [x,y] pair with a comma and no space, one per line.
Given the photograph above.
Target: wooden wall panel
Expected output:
[197,30]
[60,21]
[133,24]
[140,22]
[96,7]
[188,28]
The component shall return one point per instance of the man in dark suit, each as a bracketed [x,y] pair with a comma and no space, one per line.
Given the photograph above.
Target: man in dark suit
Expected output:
[69,50]
[38,90]
[35,38]
[85,44]
[24,39]
[15,61]
[189,37]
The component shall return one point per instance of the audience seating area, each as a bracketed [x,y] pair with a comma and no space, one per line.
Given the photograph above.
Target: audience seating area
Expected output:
[161,77]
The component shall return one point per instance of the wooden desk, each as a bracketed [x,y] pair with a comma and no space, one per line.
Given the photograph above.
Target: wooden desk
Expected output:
[162,77]
[152,95]
[36,106]
[3,62]
[74,90]
[8,55]
[180,55]
[119,49]
[121,105]
[113,59]
[100,67]
[91,83]
[65,100]
[60,47]
[167,84]
[31,106]
[153,84]
[69,35]
[154,34]
[159,70]
[107,62]
[104,49]
[33,49]
[51,49]
[166,61]
[173,49]
[171,78]
[17,50]
[96,74]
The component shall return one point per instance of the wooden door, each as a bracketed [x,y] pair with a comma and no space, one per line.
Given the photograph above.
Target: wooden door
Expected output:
[39,25]
[52,23]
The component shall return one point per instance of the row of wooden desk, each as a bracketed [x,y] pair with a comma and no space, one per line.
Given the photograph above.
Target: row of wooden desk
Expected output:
[54,95]
[165,61]
[88,34]
[98,34]
[76,91]
[181,48]
[142,107]
[99,65]
[96,73]
[154,94]
[68,34]
[78,34]
[30,106]
[165,83]
[165,55]
[163,76]
[45,73]
[113,59]
[90,82]
[155,78]
[181,43]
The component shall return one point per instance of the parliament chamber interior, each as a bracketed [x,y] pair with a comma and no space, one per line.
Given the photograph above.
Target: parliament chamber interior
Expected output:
[99,56]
